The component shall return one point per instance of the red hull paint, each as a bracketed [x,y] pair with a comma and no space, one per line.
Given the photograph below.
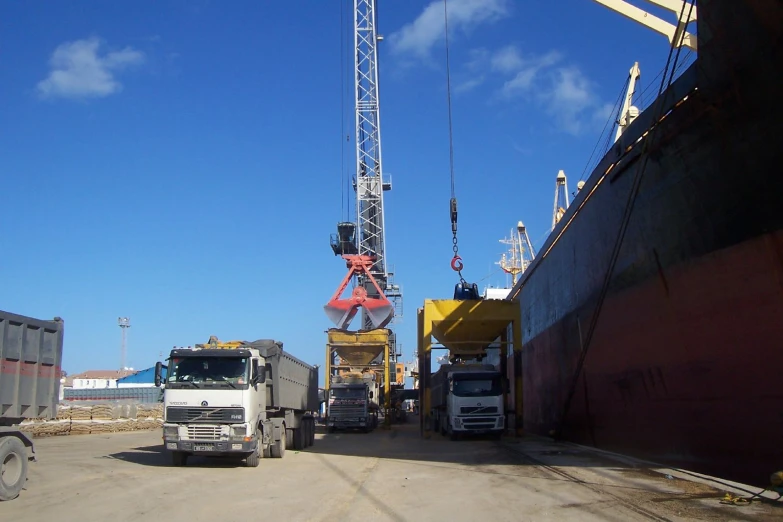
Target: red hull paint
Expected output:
[662,381]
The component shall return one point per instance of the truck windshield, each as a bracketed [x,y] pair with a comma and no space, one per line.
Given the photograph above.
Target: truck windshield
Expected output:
[347,393]
[208,370]
[476,387]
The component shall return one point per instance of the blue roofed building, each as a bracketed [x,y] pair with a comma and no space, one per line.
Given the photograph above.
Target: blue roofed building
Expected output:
[140,379]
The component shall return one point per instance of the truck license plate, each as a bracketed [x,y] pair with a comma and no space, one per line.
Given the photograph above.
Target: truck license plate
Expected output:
[202,447]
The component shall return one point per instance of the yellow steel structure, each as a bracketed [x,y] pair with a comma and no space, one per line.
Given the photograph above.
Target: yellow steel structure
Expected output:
[356,351]
[467,328]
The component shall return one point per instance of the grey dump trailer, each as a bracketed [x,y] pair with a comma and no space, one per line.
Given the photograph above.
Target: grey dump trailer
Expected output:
[252,400]
[30,366]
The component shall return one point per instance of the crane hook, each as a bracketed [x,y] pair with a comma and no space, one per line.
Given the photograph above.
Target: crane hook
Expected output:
[456,263]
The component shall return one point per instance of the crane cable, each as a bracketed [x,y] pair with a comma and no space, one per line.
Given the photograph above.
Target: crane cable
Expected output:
[456,261]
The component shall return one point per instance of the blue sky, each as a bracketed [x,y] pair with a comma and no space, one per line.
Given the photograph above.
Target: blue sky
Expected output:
[180,162]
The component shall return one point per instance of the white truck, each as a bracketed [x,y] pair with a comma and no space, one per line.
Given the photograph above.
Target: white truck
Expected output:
[468,398]
[245,399]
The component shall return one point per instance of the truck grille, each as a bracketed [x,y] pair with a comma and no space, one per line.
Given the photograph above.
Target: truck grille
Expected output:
[206,415]
[478,423]
[203,432]
[346,411]
[478,409]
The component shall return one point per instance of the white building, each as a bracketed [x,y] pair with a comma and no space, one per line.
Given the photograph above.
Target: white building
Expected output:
[92,379]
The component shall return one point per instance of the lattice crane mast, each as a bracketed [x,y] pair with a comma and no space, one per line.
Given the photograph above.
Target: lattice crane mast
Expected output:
[363,243]
[561,198]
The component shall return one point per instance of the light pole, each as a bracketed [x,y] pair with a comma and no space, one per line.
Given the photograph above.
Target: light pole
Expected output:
[124,324]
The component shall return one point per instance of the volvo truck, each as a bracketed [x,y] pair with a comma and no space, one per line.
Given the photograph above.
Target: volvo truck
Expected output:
[250,400]
[468,398]
[31,353]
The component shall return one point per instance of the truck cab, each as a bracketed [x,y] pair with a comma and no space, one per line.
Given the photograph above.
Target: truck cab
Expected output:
[468,399]
[351,405]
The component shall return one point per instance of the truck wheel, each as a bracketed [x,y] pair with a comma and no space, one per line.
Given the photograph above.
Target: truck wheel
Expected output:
[312,432]
[278,449]
[253,460]
[299,437]
[179,458]
[13,468]
[306,429]
[289,438]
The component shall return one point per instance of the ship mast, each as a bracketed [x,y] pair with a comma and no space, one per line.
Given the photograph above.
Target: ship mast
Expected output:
[520,255]
[629,112]
[561,198]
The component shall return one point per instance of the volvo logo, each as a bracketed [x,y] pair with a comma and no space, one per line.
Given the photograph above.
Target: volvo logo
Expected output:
[204,403]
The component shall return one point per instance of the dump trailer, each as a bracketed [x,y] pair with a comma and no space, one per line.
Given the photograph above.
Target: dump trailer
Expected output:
[238,399]
[30,366]
[353,402]
[468,398]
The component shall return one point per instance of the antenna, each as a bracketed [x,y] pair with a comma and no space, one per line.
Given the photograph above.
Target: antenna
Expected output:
[124,324]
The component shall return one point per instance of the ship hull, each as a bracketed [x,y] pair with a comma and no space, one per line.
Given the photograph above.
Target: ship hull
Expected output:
[683,365]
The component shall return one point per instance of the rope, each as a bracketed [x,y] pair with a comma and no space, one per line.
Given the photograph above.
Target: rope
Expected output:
[342,112]
[456,261]
[632,195]
[612,118]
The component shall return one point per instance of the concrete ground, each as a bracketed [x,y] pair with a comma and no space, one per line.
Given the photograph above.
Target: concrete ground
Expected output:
[386,475]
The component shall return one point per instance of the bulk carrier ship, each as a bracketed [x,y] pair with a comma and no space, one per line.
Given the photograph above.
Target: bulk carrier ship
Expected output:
[653,314]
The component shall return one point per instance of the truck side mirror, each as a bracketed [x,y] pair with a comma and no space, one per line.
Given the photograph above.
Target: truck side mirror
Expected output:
[259,374]
[371,395]
[158,370]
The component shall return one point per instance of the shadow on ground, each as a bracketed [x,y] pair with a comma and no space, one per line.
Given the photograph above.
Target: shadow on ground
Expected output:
[157,456]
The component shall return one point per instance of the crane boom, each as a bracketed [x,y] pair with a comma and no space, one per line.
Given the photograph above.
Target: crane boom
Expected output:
[369,182]
[676,34]
[363,244]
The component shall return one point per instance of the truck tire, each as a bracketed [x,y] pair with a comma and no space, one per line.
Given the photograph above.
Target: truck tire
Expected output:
[289,438]
[278,448]
[13,468]
[253,460]
[300,436]
[312,432]
[179,458]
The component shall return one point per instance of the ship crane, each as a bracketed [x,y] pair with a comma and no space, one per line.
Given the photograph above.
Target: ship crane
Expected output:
[628,112]
[520,254]
[561,198]
[677,34]
[362,244]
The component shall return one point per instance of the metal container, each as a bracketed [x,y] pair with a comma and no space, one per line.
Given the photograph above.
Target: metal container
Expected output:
[293,383]
[30,365]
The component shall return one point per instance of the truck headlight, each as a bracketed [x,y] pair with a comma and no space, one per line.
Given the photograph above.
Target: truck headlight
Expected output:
[170,432]
[238,431]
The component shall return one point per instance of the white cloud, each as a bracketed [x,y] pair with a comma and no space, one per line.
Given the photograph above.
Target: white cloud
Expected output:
[525,71]
[78,71]
[507,59]
[418,37]
[469,85]
[560,89]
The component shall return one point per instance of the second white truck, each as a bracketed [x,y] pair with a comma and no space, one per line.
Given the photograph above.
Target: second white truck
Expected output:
[468,398]
[246,399]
